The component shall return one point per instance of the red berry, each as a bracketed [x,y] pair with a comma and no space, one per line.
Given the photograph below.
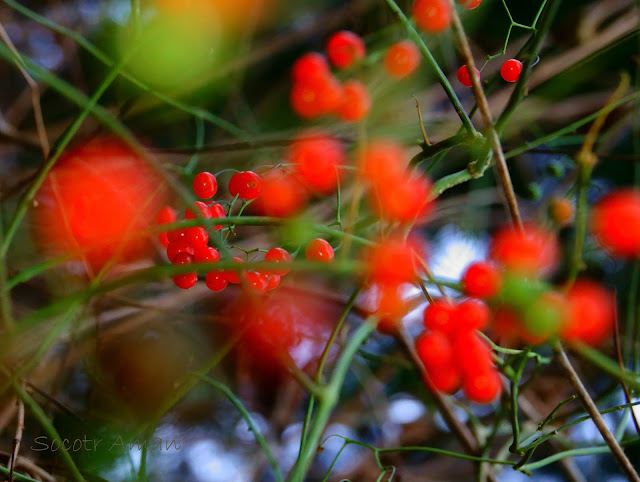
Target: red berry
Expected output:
[281,256]
[432,16]
[217,211]
[482,280]
[205,254]
[176,235]
[615,222]
[392,261]
[510,70]
[179,246]
[390,305]
[182,258]
[246,185]
[356,102]
[196,236]
[531,251]
[345,48]
[256,282]
[319,250]
[203,211]
[273,282]
[163,239]
[440,316]
[470,4]
[282,195]
[216,280]
[463,76]
[472,314]
[310,68]
[382,162]
[445,379]
[205,185]
[561,210]
[402,59]
[185,281]
[591,313]
[435,350]
[473,354]
[167,215]
[311,100]
[405,200]
[233,276]
[482,387]
[318,159]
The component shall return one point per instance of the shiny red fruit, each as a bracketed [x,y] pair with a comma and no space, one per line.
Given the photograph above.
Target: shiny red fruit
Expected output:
[165,216]
[402,59]
[463,76]
[255,282]
[205,254]
[472,314]
[280,256]
[440,316]
[615,222]
[196,236]
[445,379]
[200,210]
[217,211]
[470,4]
[98,204]
[481,280]
[205,185]
[311,68]
[233,276]
[319,250]
[179,246]
[185,281]
[345,48]
[246,185]
[510,70]
[483,387]
[216,280]
[432,16]
[435,350]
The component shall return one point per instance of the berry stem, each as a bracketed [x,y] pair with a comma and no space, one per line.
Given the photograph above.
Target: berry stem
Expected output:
[592,410]
[485,111]
[415,37]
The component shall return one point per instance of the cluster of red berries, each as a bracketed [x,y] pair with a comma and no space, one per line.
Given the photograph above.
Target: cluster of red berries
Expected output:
[190,245]
[525,309]
[317,92]
[453,353]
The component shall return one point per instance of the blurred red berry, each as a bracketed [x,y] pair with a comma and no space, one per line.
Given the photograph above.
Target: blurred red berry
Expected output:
[481,280]
[382,162]
[319,250]
[282,195]
[310,68]
[246,185]
[463,76]
[440,316]
[217,211]
[205,185]
[355,103]
[318,159]
[256,282]
[510,70]
[233,276]
[482,387]
[345,48]
[432,16]
[389,304]
[615,222]
[435,350]
[201,208]
[445,379]
[405,200]
[165,216]
[392,261]
[472,314]
[402,59]
[473,354]
[273,282]
[179,246]
[313,99]
[591,316]
[531,251]
[205,254]
[280,256]
[216,280]
[561,211]
[182,258]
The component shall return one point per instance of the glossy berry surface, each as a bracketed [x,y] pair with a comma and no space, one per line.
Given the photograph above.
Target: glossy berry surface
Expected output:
[470,4]
[217,211]
[199,209]
[179,246]
[196,236]
[319,250]
[280,256]
[345,48]
[205,185]
[185,281]
[318,159]
[205,254]
[246,185]
[255,282]
[216,280]
[615,223]
[463,76]
[510,70]
[481,280]
[401,59]
[310,68]
[165,216]
[432,16]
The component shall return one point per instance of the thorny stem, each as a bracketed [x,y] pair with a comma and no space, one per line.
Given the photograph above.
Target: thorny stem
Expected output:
[483,106]
[592,410]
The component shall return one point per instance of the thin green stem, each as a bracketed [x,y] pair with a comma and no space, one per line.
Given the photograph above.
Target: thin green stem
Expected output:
[577,263]
[417,39]
[515,381]
[244,413]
